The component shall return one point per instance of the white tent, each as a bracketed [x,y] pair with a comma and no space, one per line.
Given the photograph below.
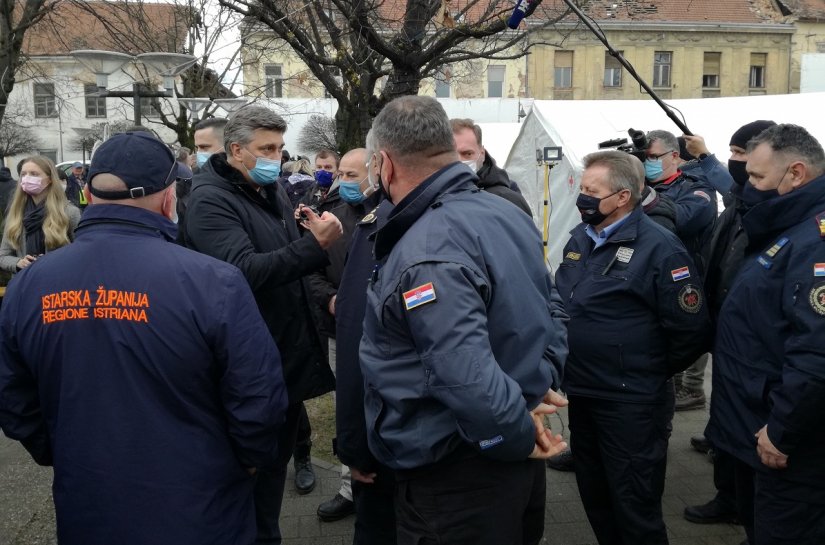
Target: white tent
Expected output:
[498,139]
[579,125]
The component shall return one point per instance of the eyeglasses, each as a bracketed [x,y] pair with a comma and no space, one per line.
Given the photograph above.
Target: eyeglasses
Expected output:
[654,157]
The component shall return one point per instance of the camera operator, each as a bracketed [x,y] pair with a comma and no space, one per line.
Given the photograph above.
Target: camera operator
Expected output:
[694,198]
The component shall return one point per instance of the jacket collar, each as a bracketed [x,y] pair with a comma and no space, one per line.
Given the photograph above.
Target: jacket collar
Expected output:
[490,174]
[139,219]
[770,218]
[628,230]
[453,178]
[218,172]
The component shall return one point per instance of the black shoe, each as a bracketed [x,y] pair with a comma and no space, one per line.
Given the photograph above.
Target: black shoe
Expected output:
[562,461]
[335,509]
[304,475]
[700,443]
[713,512]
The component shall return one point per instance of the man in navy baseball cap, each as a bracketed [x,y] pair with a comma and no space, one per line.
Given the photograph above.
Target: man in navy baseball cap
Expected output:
[143,164]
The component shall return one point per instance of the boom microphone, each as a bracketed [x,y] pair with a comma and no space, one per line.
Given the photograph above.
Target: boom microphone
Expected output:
[519,13]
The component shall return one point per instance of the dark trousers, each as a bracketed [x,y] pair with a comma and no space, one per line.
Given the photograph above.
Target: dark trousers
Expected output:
[620,461]
[724,478]
[743,494]
[303,439]
[788,513]
[269,485]
[375,509]
[474,501]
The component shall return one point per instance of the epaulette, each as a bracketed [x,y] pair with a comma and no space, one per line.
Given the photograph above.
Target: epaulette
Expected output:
[820,221]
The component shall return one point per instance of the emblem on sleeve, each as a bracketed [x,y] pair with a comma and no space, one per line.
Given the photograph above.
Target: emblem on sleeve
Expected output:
[419,296]
[817,299]
[369,218]
[773,250]
[702,194]
[690,299]
[573,256]
[819,269]
[680,274]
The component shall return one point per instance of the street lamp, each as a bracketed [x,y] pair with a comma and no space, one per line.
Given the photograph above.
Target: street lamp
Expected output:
[105,63]
[231,105]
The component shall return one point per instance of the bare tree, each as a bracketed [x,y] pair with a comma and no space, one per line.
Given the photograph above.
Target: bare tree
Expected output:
[16,18]
[350,45]
[17,134]
[194,27]
[318,134]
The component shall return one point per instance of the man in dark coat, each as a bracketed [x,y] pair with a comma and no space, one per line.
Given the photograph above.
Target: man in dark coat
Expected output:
[140,370]
[491,178]
[239,214]
[768,393]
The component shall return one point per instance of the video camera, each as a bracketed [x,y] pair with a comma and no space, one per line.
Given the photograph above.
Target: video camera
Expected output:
[637,147]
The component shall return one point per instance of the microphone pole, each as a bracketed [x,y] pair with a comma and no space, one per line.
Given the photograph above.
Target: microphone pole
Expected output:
[618,56]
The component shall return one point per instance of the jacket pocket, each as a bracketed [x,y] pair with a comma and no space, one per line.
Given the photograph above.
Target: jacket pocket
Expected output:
[377,412]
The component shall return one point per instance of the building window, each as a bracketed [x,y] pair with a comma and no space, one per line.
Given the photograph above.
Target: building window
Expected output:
[45,104]
[820,47]
[495,81]
[612,70]
[50,153]
[273,81]
[710,71]
[563,70]
[757,74]
[442,83]
[95,105]
[662,63]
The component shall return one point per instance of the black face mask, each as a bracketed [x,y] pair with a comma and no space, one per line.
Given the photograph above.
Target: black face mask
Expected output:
[738,172]
[589,208]
[752,196]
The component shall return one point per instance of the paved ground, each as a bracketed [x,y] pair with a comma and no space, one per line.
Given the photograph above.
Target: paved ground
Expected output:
[27,515]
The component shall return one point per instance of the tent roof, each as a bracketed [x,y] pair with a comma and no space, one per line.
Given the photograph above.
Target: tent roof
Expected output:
[579,125]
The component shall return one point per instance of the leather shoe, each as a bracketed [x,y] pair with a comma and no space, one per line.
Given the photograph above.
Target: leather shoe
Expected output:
[713,512]
[700,443]
[335,509]
[304,476]
[562,461]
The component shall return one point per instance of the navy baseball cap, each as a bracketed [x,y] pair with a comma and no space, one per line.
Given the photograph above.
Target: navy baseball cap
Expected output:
[77,164]
[145,164]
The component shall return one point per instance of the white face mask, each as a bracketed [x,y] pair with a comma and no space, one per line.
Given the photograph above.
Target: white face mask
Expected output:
[472,164]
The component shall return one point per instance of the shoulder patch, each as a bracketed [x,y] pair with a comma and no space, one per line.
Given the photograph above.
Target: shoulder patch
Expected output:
[419,296]
[702,194]
[680,274]
[690,299]
[817,299]
[822,225]
[573,256]
[773,250]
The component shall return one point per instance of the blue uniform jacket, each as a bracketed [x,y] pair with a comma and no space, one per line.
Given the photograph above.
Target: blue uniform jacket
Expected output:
[637,311]
[350,305]
[769,356]
[696,210]
[144,373]
[464,331]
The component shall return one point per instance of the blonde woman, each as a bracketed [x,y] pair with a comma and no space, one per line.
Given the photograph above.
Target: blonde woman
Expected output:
[39,219]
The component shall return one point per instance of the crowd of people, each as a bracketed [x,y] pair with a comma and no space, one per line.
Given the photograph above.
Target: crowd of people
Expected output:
[157,351]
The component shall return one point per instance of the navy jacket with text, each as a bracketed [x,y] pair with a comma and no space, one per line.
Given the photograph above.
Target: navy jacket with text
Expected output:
[144,373]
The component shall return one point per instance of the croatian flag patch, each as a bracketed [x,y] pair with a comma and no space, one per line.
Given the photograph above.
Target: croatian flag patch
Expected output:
[419,296]
[819,269]
[680,274]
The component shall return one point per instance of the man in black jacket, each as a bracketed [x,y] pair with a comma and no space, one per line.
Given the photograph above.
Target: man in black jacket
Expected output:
[237,213]
[350,198]
[491,178]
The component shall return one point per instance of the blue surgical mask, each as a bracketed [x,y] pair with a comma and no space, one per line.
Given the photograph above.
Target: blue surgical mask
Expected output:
[350,192]
[323,177]
[265,171]
[653,169]
[201,158]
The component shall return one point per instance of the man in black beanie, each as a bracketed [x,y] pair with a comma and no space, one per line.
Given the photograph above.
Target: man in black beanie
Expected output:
[725,257]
